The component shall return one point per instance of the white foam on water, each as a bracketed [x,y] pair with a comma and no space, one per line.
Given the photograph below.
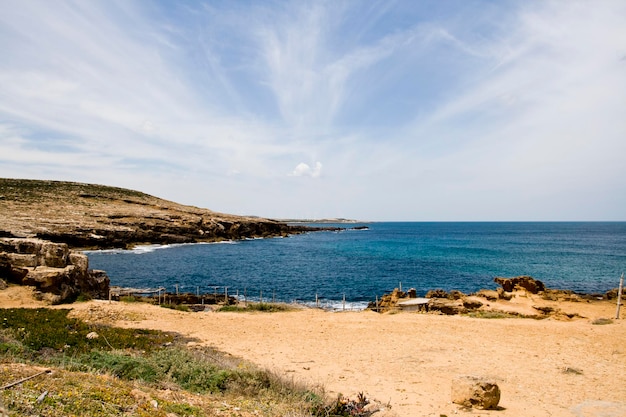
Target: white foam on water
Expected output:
[142,249]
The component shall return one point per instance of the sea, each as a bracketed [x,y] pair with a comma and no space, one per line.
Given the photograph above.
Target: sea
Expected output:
[349,268]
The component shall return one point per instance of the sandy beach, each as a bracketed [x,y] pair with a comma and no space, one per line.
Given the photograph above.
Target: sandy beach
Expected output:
[551,367]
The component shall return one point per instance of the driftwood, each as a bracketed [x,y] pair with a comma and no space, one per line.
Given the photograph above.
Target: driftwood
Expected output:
[12,384]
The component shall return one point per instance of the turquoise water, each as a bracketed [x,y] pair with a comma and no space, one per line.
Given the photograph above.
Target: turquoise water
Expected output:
[363,264]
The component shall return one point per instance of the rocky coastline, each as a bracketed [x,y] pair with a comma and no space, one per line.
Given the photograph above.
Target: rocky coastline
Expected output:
[43,224]
[101,217]
[500,300]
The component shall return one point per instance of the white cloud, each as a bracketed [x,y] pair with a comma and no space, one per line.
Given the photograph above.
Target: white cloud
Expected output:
[304,170]
[472,111]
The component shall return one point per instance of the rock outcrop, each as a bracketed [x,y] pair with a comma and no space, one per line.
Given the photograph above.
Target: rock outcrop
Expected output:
[446,306]
[533,286]
[58,273]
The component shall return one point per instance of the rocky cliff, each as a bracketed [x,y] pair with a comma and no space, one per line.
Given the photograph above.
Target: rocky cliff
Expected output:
[96,216]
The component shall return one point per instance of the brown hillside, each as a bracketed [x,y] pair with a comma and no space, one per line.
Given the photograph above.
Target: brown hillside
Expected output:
[88,215]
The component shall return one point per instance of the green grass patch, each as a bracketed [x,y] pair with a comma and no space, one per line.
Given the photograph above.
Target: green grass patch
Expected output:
[496,315]
[177,307]
[262,307]
[45,329]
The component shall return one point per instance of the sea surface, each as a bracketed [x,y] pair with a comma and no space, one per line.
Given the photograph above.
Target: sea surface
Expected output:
[360,265]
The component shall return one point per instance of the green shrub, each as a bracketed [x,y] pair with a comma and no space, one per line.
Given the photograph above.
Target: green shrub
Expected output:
[178,307]
[194,375]
[82,297]
[263,307]
[125,366]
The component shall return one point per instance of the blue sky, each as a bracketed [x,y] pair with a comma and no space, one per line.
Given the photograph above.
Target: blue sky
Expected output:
[373,110]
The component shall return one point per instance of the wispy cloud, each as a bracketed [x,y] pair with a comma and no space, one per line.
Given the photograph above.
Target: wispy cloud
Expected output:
[412,109]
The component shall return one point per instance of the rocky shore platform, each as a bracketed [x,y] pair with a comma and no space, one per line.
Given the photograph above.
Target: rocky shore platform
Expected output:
[522,296]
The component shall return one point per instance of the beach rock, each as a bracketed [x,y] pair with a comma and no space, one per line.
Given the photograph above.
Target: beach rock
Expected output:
[475,392]
[472,303]
[452,295]
[544,309]
[57,273]
[388,302]
[437,294]
[612,294]
[490,295]
[456,295]
[445,306]
[525,282]
[504,295]
[561,295]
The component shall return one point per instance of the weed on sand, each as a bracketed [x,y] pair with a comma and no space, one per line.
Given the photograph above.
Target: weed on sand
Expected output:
[121,372]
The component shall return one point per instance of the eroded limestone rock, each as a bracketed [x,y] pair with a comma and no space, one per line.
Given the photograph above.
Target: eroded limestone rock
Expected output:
[475,392]
[57,273]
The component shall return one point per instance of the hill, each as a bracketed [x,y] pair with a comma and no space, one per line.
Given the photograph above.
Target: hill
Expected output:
[98,216]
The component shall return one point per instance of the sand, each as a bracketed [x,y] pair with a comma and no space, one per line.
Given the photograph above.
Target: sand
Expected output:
[551,367]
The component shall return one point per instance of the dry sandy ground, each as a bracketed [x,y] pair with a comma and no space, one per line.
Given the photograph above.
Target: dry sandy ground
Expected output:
[543,367]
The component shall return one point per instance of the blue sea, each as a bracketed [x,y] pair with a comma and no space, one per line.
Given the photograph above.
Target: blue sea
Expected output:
[363,264]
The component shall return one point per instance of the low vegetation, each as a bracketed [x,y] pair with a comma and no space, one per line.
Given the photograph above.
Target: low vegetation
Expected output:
[107,371]
[263,307]
[485,314]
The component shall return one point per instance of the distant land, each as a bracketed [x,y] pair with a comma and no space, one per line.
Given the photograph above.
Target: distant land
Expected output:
[99,216]
[322,221]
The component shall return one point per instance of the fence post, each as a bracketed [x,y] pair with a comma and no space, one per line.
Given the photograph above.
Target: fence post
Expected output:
[344,302]
[619,296]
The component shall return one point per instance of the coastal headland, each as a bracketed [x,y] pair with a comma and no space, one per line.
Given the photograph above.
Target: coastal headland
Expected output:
[100,217]
[568,360]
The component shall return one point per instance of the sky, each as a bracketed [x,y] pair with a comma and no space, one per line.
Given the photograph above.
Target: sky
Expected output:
[455,110]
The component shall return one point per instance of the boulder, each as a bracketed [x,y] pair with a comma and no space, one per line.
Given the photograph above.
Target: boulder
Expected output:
[475,392]
[437,294]
[445,306]
[58,274]
[452,295]
[490,295]
[525,282]
[472,303]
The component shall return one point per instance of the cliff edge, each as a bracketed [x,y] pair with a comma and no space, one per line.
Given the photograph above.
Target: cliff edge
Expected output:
[97,216]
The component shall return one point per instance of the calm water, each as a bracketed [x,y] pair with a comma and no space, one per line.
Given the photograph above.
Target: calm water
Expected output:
[585,257]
